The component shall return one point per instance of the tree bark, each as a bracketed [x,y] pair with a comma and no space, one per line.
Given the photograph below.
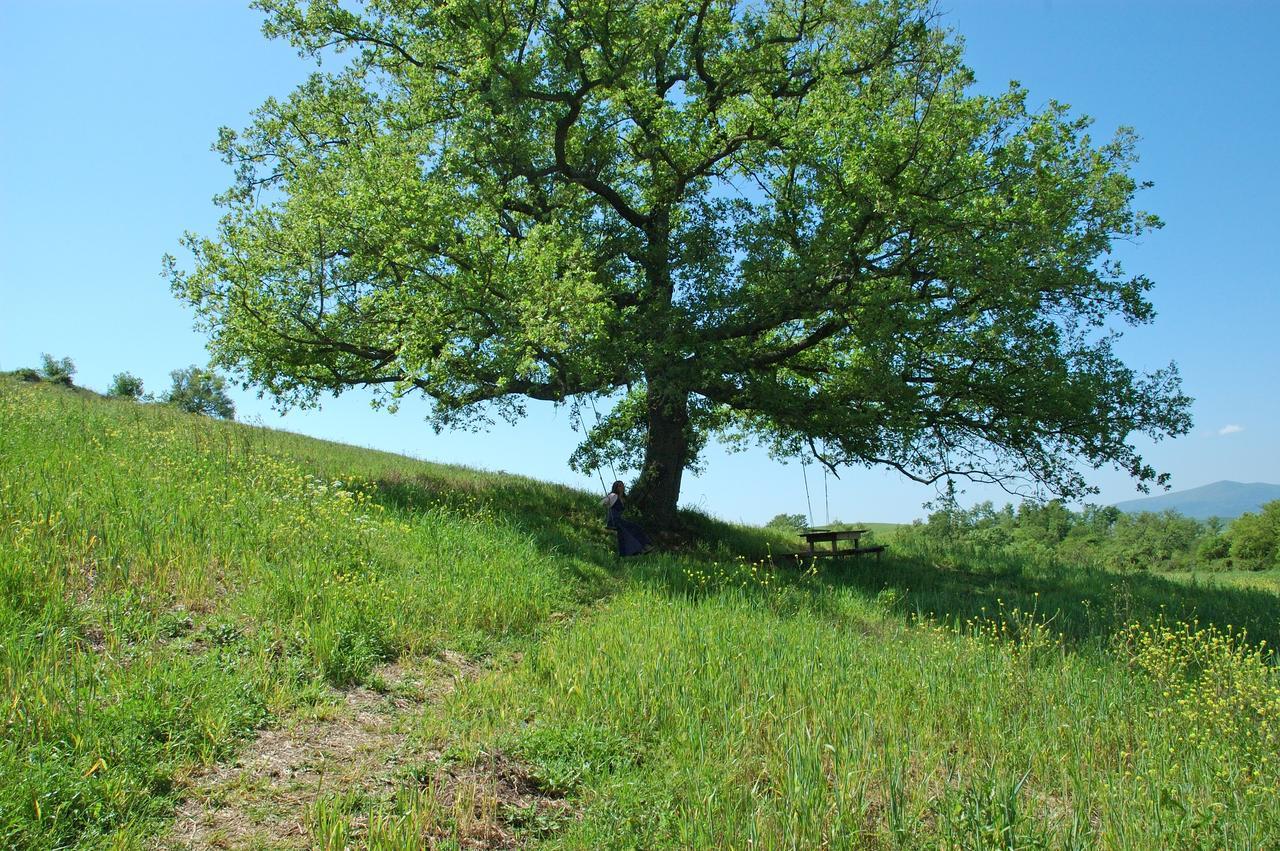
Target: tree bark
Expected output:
[666,453]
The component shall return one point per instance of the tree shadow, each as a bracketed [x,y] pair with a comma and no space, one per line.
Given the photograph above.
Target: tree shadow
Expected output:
[1083,604]
[559,520]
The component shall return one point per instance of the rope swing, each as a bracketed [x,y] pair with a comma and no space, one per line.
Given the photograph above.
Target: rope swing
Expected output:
[603,487]
[826,492]
[826,495]
[808,502]
[612,471]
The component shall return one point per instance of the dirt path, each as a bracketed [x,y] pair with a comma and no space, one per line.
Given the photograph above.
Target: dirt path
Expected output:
[357,748]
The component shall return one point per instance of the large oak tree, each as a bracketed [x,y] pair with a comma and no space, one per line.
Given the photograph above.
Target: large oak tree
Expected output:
[785,220]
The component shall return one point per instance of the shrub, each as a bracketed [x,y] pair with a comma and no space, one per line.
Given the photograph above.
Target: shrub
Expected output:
[125,385]
[1047,524]
[1213,548]
[200,391]
[1152,540]
[57,370]
[1255,538]
[788,523]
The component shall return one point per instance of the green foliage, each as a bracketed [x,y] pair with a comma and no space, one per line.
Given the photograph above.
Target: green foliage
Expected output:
[566,757]
[486,201]
[200,391]
[56,370]
[125,385]
[1212,547]
[1104,536]
[985,814]
[788,523]
[1255,538]
[1141,541]
[1101,536]
[1046,524]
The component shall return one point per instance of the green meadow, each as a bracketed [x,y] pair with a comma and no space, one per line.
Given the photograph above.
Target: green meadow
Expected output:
[173,589]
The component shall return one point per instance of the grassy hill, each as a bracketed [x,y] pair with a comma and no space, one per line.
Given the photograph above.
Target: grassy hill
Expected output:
[219,635]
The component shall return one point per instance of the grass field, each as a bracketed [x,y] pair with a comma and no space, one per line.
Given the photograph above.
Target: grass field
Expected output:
[182,599]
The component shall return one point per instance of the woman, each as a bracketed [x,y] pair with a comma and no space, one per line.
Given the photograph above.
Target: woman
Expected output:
[632,541]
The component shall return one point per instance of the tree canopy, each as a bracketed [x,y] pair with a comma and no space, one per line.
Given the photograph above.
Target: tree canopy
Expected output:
[57,370]
[125,385]
[789,221]
[200,391]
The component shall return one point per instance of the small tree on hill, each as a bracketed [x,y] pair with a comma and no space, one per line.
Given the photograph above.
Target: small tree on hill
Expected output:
[789,522]
[200,391]
[125,385]
[57,370]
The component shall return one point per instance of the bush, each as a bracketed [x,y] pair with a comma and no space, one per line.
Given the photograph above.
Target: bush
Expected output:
[1255,538]
[1152,540]
[26,374]
[200,391]
[57,370]
[788,523]
[1213,547]
[1047,524]
[125,385]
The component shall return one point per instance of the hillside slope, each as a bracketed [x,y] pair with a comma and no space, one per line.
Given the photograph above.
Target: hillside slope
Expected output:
[214,634]
[1227,500]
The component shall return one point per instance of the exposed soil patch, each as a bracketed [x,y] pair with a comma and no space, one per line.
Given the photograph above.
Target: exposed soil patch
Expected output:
[494,802]
[357,748]
[262,798]
[356,742]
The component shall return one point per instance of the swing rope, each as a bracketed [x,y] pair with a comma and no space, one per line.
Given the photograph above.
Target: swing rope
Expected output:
[603,487]
[826,490]
[804,472]
[612,471]
[826,495]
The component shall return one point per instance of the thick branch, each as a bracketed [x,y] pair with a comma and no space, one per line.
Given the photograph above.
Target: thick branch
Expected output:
[585,179]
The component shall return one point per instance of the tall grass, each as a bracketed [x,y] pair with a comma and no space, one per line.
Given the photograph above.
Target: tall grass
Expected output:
[170,583]
[721,721]
[167,582]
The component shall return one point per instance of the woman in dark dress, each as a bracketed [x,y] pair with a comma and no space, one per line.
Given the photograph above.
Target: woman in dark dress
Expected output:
[632,541]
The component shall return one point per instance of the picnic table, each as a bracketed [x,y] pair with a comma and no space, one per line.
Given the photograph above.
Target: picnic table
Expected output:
[835,536]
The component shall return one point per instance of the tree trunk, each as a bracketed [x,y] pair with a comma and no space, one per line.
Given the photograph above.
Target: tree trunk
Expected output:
[666,453]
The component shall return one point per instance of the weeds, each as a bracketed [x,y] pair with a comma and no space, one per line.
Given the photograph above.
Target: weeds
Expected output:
[169,584]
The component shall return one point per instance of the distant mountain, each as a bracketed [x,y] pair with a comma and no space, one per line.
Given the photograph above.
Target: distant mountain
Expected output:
[1227,500]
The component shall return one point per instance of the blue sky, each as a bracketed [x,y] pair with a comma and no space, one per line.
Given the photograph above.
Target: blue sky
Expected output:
[108,109]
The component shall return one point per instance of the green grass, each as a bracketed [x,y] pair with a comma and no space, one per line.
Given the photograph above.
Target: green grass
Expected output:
[1262,580]
[804,713]
[171,584]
